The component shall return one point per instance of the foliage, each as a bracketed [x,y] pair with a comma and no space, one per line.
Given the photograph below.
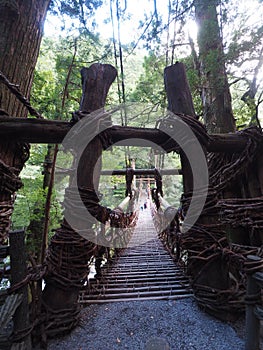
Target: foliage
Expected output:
[166,40]
[52,92]
[243,37]
[83,10]
[172,184]
[113,187]
[27,197]
[73,8]
[150,87]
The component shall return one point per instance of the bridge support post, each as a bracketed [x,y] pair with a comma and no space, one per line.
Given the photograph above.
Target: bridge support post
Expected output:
[69,253]
[180,101]
[252,296]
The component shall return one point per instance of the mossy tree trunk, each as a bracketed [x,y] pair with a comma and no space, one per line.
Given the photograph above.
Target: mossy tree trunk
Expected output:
[216,98]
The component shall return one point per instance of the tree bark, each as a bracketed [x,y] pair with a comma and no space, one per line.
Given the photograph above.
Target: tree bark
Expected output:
[216,96]
[21,28]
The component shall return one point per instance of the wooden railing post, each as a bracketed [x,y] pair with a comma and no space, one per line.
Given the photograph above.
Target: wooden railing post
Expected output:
[252,321]
[18,273]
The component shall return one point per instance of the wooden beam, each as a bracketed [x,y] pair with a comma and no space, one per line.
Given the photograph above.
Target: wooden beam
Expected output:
[33,130]
[51,131]
[142,172]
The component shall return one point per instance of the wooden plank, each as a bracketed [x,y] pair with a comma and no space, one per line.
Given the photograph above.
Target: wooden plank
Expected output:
[130,283]
[170,297]
[138,289]
[139,294]
[140,278]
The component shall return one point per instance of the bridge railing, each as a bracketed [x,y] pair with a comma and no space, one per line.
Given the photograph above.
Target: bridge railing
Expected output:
[117,232]
[254,305]
[14,304]
[167,223]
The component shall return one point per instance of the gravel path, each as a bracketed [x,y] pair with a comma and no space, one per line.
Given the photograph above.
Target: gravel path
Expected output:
[149,325]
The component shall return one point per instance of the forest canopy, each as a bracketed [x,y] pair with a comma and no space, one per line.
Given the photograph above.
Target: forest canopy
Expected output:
[140,44]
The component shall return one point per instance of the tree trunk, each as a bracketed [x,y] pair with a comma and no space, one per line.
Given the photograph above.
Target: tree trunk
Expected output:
[21,28]
[218,115]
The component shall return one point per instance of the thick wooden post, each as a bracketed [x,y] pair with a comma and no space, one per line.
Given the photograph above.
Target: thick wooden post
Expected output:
[18,273]
[96,81]
[58,294]
[180,101]
[178,90]
[252,322]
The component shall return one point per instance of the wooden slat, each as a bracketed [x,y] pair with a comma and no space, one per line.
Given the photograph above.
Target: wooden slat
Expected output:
[171,297]
[158,293]
[258,276]
[146,272]
[258,310]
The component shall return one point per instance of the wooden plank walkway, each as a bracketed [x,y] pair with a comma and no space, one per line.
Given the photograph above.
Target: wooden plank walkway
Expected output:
[144,271]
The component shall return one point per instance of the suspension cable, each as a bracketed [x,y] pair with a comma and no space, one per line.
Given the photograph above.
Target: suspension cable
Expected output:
[173,44]
[116,57]
[120,77]
[121,61]
[168,34]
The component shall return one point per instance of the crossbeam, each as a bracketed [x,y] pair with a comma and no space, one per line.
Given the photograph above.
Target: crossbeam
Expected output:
[53,131]
[142,172]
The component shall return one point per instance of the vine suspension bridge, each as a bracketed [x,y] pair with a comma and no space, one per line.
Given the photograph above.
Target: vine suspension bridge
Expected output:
[223,246]
[144,270]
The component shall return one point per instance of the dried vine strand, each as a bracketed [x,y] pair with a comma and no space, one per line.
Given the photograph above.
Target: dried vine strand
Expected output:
[16,91]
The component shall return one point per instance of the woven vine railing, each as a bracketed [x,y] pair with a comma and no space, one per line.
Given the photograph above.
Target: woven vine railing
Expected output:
[216,265]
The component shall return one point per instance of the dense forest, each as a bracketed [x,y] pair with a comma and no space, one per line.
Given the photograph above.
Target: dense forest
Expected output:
[165,32]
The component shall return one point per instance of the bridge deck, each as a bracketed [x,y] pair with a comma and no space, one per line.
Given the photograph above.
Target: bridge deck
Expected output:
[144,271]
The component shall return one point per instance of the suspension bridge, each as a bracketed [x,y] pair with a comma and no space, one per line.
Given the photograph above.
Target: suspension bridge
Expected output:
[143,271]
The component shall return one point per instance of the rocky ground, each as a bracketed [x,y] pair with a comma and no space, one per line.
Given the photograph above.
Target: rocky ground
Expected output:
[151,325]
